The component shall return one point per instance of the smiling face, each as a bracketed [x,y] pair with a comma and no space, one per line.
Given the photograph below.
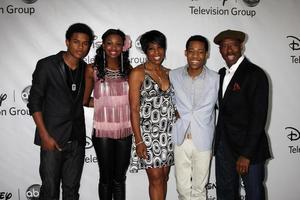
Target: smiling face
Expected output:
[231,51]
[196,54]
[78,45]
[155,53]
[113,45]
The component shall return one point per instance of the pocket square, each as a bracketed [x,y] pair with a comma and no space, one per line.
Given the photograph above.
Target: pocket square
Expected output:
[236,87]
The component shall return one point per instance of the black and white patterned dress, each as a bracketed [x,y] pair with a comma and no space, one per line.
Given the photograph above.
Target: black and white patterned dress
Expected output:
[157,116]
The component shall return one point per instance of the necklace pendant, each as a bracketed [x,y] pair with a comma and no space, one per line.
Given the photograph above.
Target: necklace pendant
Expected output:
[73,87]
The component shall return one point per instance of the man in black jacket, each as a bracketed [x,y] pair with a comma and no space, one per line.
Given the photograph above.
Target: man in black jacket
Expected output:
[55,102]
[241,145]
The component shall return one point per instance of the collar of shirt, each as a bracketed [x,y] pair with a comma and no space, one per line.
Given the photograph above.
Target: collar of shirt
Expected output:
[201,75]
[229,74]
[234,67]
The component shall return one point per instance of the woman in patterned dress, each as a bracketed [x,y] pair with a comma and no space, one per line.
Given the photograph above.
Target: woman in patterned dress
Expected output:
[112,133]
[152,115]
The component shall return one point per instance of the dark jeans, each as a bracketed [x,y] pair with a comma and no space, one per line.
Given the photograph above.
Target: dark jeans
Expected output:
[228,180]
[113,159]
[61,166]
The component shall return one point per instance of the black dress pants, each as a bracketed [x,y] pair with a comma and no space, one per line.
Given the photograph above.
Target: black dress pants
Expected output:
[63,167]
[113,159]
[228,180]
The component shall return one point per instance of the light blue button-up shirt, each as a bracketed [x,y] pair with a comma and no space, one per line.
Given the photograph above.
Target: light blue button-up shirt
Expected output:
[195,101]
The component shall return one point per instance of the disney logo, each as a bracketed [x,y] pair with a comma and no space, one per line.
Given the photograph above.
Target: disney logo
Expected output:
[295,44]
[88,143]
[224,1]
[96,44]
[294,134]
[249,3]
[5,195]
[2,98]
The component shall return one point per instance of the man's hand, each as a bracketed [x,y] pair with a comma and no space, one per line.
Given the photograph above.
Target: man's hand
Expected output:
[242,165]
[49,144]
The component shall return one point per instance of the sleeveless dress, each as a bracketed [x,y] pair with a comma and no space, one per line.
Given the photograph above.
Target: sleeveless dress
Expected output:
[111,106]
[157,115]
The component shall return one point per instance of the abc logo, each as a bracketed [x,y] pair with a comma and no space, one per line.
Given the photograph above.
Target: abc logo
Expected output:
[138,45]
[33,192]
[251,3]
[25,94]
[29,1]
[88,143]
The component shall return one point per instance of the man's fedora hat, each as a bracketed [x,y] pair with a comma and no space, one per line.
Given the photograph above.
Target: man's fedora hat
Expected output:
[231,34]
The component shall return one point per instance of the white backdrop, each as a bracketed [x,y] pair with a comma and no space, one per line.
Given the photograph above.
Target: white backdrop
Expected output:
[33,29]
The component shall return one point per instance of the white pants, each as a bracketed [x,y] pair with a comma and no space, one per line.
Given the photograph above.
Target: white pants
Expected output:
[191,171]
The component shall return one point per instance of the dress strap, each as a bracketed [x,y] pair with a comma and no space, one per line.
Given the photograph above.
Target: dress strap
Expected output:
[145,69]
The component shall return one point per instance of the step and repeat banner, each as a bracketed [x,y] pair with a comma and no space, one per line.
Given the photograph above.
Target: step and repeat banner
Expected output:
[33,29]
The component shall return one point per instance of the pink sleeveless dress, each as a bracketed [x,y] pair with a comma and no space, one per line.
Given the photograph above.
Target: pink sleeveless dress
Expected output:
[111,106]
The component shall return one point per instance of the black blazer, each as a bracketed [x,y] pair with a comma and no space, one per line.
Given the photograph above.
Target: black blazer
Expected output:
[243,113]
[51,95]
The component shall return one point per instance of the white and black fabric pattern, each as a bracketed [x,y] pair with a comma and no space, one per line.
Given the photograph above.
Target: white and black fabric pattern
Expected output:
[157,115]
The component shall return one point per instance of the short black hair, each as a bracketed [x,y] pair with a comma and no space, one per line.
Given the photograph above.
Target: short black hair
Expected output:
[198,38]
[80,28]
[153,36]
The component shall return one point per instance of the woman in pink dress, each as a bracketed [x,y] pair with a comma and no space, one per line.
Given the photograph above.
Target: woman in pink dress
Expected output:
[107,77]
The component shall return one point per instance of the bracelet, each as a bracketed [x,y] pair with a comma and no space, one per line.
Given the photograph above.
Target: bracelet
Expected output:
[139,143]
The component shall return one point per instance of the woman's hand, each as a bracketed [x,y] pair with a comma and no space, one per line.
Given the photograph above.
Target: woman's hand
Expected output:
[141,150]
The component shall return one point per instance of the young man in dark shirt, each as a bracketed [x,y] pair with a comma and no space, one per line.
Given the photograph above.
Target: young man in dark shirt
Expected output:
[55,102]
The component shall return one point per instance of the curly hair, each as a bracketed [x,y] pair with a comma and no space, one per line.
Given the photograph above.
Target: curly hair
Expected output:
[100,62]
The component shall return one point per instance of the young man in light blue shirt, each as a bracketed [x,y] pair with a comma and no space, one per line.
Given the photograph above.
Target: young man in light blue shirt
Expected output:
[196,92]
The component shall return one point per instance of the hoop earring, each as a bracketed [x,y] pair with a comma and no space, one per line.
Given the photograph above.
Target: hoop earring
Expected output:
[122,67]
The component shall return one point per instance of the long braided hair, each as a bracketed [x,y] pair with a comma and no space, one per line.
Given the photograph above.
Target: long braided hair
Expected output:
[100,61]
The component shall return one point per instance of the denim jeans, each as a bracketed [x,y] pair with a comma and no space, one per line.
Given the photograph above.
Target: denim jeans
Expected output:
[63,167]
